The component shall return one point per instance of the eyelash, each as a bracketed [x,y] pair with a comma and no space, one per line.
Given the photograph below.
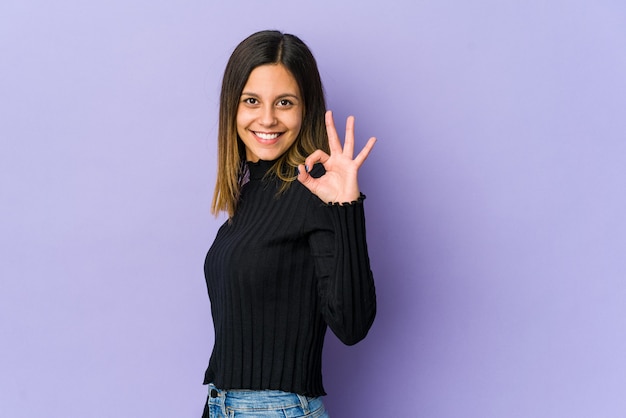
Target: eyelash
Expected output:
[283,102]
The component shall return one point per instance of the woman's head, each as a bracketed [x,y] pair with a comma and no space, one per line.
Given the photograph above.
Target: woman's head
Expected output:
[269,116]
[267,50]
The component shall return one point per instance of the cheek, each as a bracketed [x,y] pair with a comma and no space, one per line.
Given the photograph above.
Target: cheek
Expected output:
[243,120]
[296,123]
[240,117]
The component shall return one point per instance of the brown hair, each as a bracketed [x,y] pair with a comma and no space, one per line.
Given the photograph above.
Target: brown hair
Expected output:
[261,48]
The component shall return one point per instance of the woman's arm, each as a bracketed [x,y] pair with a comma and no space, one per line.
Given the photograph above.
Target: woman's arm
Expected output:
[345,281]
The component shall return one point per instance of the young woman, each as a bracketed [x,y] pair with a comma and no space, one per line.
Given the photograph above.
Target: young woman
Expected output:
[292,258]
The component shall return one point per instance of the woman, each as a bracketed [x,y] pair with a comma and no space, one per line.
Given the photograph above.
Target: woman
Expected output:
[292,257]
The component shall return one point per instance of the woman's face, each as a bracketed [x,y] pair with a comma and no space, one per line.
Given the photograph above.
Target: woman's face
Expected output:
[269,115]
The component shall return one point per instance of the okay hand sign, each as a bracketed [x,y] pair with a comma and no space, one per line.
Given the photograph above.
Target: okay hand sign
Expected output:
[339,184]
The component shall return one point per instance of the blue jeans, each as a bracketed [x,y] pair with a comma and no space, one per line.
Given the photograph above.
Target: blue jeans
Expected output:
[261,404]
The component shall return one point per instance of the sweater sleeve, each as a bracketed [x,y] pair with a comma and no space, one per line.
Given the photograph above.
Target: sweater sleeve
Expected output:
[345,281]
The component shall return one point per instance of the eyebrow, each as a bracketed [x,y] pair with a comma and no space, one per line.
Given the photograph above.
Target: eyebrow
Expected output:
[248,93]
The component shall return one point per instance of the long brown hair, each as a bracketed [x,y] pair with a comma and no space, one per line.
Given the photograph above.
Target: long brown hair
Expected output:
[261,48]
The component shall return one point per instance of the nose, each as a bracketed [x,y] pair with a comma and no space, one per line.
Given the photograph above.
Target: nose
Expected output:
[267,117]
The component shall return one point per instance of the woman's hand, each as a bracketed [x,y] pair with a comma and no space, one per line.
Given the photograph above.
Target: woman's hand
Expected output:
[339,184]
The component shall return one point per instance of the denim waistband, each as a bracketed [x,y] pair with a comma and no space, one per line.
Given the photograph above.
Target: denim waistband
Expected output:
[260,400]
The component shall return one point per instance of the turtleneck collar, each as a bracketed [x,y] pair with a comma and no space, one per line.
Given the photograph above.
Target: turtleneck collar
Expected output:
[259,169]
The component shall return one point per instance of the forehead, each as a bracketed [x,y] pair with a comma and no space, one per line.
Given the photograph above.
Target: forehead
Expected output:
[271,79]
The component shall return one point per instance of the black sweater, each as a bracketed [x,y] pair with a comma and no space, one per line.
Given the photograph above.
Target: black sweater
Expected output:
[284,268]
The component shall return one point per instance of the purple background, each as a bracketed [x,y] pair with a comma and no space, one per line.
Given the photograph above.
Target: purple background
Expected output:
[496,202]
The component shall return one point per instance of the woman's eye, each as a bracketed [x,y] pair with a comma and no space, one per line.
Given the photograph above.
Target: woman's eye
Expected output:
[284,102]
[250,101]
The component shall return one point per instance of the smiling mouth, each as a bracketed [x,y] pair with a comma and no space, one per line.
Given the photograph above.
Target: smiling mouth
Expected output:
[267,136]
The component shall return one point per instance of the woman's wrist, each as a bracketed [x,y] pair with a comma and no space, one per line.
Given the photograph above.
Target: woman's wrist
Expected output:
[344,202]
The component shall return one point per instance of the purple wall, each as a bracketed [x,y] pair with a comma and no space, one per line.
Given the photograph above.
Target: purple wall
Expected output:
[496,202]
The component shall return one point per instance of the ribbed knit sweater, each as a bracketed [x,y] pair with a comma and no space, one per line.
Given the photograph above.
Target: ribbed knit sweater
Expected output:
[283,269]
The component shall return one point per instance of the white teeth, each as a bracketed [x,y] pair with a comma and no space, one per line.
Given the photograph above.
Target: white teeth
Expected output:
[266,136]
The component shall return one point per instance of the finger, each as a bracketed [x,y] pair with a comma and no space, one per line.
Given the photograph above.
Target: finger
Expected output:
[318,156]
[306,179]
[333,139]
[348,143]
[362,156]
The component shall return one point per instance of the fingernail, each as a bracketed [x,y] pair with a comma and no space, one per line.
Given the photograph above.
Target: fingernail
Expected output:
[306,167]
